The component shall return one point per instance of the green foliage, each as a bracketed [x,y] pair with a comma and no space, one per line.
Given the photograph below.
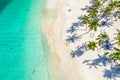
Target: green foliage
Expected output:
[102,37]
[118,4]
[92,45]
[85,20]
[111,6]
[118,31]
[92,13]
[118,14]
[117,38]
[106,53]
[107,11]
[103,1]
[97,4]
[94,24]
[118,65]
[114,56]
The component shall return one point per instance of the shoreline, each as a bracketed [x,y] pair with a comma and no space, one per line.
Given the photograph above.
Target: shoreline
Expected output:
[61,64]
[56,58]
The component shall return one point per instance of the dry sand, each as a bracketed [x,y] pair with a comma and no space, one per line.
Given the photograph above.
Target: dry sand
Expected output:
[61,65]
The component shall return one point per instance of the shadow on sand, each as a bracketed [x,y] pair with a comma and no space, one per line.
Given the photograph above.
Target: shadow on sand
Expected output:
[110,74]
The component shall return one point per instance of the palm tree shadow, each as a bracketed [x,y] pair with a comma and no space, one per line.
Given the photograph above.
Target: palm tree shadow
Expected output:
[4,4]
[78,52]
[73,38]
[108,74]
[112,73]
[98,62]
[107,23]
[86,8]
[92,1]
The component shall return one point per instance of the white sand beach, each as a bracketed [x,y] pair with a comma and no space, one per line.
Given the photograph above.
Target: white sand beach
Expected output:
[59,15]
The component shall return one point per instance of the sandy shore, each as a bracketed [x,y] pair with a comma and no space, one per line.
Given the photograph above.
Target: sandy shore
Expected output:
[61,65]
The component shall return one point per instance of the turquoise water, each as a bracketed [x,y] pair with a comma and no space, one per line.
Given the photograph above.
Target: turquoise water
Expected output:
[22,52]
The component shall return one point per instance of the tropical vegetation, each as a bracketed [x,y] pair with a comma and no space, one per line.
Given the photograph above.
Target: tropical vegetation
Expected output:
[113,5]
[117,38]
[96,17]
[92,45]
[114,56]
[94,24]
[102,38]
[91,19]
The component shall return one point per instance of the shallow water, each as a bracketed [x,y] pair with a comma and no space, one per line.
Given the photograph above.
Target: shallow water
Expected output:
[22,52]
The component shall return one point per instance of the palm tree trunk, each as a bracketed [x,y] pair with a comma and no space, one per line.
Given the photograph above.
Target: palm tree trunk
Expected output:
[86,27]
[114,43]
[112,40]
[85,33]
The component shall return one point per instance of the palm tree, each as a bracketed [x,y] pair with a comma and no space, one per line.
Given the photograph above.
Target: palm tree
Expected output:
[92,45]
[118,37]
[94,24]
[103,1]
[92,12]
[111,6]
[118,32]
[107,11]
[118,14]
[115,56]
[118,40]
[118,5]
[97,4]
[102,37]
[85,20]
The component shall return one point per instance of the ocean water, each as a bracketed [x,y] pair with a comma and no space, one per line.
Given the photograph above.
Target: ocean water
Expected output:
[22,49]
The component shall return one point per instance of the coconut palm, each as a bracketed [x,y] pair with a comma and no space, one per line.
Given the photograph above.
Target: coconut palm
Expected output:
[92,12]
[107,11]
[118,5]
[103,1]
[97,4]
[118,40]
[118,14]
[85,20]
[111,6]
[118,37]
[92,45]
[94,24]
[102,37]
[118,32]
[115,56]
